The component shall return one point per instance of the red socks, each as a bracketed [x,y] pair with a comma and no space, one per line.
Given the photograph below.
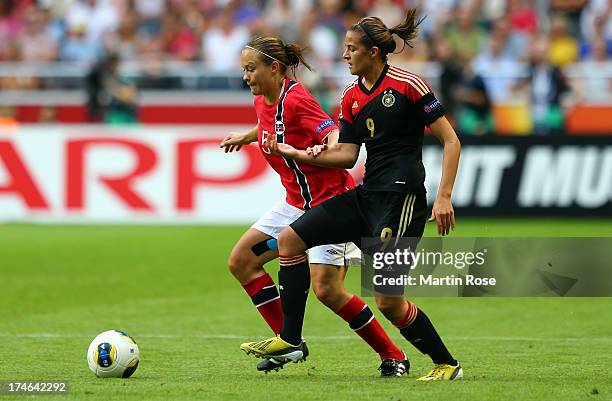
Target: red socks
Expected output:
[361,319]
[266,299]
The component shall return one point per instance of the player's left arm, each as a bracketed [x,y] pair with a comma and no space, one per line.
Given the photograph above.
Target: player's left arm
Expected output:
[442,211]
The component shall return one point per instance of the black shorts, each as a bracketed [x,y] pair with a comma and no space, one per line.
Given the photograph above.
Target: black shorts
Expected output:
[360,213]
[377,222]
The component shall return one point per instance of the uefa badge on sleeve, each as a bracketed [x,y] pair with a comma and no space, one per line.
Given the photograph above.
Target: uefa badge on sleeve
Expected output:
[388,99]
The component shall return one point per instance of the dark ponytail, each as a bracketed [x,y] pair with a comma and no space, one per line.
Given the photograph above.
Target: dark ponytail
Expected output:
[271,49]
[409,28]
[295,56]
[374,32]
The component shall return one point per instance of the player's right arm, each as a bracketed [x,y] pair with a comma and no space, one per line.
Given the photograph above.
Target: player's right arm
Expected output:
[235,140]
[340,155]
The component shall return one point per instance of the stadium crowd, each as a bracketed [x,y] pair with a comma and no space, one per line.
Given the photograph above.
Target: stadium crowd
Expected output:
[485,51]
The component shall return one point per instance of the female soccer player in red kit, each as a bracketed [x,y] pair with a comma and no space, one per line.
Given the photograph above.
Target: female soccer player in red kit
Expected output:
[387,108]
[289,113]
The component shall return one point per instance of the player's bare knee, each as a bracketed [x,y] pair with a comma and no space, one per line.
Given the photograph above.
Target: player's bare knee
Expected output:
[289,243]
[327,293]
[233,264]
[239,263]
[389,306]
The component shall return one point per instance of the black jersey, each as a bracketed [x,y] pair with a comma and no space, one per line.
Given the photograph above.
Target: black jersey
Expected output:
[390,119]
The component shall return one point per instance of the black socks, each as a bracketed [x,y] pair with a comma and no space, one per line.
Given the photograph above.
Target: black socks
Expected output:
[294,284]
[422,334]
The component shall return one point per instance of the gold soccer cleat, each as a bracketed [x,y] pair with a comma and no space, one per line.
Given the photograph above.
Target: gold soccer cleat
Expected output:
[276,348]
[443,372]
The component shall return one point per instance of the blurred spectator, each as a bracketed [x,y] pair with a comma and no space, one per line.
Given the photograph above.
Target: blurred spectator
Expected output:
[389,11]
[153,58]
[246,14]
[465,35]
[437,14]
[563,47]
[56,7]
[16,81]
[323,29]
[223,42]
[497,67]
[11,51]
[94,84]
[55,11]
[473,113]
[35,43]
[492,10]
[491,36]
[571,9]
[11,25]
[450,74]
[356,10]
[546,84]
[596,73]
[463,91]
[596,20]
[94,17]
[111,97]
[602,31]
[515,41]
[523,16]
[471,101]
[126,40]
[181,42]
[419,53]
[78,49]
[195,17]
[281,18]
[151,13]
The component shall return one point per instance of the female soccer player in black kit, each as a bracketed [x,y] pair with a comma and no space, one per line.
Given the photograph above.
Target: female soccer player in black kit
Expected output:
[387,108]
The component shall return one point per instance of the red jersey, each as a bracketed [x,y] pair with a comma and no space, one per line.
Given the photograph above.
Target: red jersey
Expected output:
[297,119]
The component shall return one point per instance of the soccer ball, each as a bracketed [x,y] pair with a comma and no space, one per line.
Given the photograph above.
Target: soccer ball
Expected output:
[113,354]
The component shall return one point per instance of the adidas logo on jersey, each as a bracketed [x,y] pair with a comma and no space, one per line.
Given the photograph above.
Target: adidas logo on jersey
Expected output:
[355,104]
[332,251]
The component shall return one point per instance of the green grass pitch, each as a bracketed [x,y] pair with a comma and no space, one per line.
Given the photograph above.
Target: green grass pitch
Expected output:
[169,288]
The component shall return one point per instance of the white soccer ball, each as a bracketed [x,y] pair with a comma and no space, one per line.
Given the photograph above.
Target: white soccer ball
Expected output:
[113,354]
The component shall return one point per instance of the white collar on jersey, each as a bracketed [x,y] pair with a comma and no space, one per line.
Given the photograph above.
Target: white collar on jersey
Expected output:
[282,89]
